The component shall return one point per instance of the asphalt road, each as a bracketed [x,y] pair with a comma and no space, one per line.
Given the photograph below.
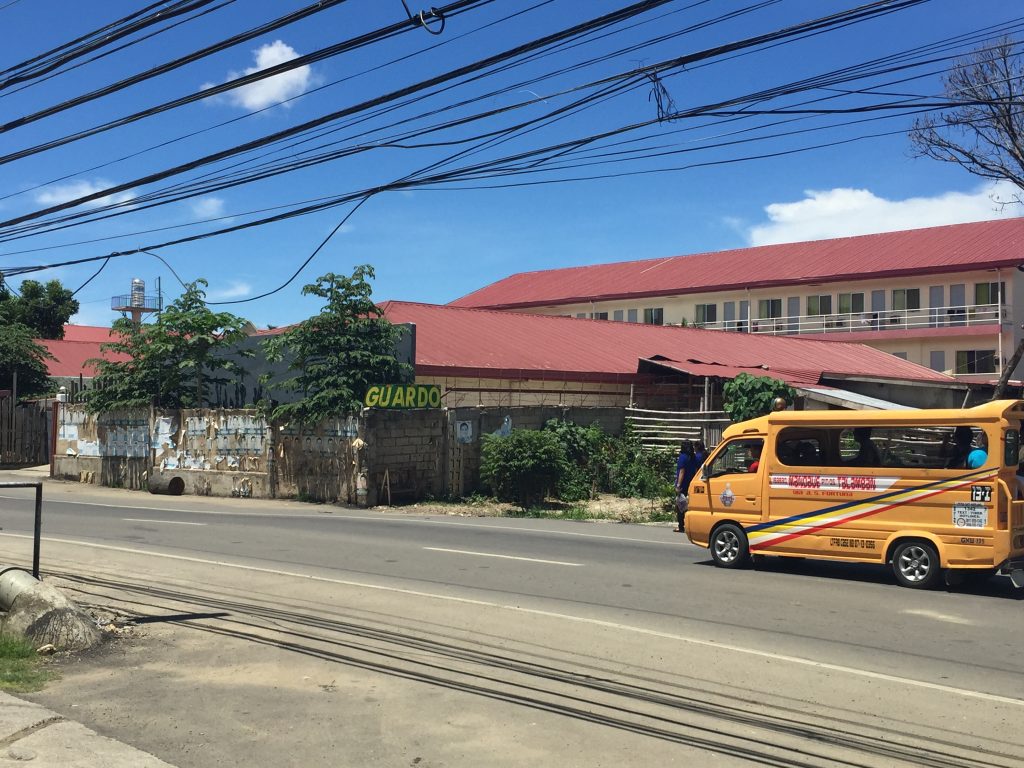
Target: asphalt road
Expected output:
[516,641]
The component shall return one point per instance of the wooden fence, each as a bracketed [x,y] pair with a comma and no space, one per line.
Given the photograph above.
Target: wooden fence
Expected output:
[24,433]
[664,430]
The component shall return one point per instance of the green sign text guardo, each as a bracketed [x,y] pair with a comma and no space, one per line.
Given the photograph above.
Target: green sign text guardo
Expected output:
[403,396]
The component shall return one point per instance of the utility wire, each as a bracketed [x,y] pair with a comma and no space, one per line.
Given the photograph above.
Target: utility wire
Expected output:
[379,35]
[254,113]
[47,62]
[170,66]
[117,49]
[861,13]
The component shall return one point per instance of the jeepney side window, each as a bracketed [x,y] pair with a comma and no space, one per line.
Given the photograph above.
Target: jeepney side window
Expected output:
[910,446]
[1011,446]
[796,449]
[737,456]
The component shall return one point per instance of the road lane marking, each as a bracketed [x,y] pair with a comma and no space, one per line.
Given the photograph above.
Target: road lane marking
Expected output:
[340,515]
[503,557]
[947,617]
[162,522]
[795,660]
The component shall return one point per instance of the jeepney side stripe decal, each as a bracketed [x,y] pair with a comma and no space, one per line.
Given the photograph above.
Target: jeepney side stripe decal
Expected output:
[776,532]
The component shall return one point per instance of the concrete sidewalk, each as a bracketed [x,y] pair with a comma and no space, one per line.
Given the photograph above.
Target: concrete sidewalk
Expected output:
[38,736]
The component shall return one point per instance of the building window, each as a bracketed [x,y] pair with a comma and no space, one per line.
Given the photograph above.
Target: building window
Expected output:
[617,315]
[937,360]
[851,303]
[900,355]
[769,308]
[581,315]
[976,361]
[988,293]
[630,315]
[906,298]
[706,313]
[600,316]
[819,305]
[654,316]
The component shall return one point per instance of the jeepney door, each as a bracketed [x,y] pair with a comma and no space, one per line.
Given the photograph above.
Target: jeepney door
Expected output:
[734,479]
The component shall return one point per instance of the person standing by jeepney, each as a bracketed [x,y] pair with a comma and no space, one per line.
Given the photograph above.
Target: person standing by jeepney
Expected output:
[686,468]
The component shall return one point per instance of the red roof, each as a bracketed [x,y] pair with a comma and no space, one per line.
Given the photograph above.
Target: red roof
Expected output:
[473,342]
[70,357]
[95,333]
[954,248]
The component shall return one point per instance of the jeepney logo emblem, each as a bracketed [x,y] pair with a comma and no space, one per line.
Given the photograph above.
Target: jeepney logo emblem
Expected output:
[727,497]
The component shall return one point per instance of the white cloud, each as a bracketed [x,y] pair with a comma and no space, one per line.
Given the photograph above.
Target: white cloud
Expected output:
[272,90]
[207,207]
[55,194]
[843,212]
[237,289]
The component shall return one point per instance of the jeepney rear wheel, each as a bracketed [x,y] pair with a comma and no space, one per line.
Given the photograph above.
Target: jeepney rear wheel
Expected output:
[916,564]
[729,548]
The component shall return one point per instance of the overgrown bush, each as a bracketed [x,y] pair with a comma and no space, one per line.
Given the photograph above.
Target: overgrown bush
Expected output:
[524,467]
[634,472]
[586,451]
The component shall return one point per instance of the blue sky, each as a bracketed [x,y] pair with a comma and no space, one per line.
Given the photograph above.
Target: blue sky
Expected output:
[435,243]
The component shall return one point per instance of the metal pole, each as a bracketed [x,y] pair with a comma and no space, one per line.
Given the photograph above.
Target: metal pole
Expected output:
[38,530]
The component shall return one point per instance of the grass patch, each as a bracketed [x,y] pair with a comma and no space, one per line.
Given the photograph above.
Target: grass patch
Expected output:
[21,668]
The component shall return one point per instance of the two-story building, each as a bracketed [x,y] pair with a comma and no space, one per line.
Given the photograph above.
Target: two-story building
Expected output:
[950,298]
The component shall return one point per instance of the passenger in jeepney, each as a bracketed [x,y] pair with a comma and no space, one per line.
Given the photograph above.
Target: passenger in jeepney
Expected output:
[957,453]
[867,453]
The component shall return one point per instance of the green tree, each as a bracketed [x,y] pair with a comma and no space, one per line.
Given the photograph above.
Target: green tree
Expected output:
[171,362]
[42,307]
[747,397]
[339,353]
[21,353]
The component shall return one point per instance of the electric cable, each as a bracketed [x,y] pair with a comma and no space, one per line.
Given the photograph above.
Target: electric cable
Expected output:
[44,63]
[270,26]
[867,11]
[384,33]
[254,113]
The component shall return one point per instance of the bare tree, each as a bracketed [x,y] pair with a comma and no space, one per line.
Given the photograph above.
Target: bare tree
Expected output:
[984,132]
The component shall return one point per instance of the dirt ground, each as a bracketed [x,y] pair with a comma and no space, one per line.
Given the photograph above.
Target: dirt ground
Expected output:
[606,507]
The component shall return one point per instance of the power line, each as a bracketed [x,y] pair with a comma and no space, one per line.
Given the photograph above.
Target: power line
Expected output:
[51,60]
[859,13]
[170,66]
[384,33]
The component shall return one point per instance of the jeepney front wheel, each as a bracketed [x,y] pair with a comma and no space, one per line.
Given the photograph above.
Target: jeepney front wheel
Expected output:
[915,564]
[729,547]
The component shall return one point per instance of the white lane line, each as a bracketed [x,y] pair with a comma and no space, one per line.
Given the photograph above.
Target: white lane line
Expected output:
[341,515]
[947,617]
[161,522]
[795,660]
[503,557]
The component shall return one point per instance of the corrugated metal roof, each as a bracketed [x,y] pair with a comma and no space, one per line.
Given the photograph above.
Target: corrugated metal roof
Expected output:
[458,341]
[70,357]
[95,333]
[954,248]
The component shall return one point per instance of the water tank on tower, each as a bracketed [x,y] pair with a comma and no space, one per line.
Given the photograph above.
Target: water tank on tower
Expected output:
[138,297]
[137,303]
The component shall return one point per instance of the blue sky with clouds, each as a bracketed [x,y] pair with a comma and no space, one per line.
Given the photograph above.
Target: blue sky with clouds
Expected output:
[691,188]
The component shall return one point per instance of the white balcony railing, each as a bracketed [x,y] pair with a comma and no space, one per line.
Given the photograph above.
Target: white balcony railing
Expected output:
[852,322]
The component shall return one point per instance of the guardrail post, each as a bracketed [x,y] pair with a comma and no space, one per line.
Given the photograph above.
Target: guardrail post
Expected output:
[38,532]
[38,525]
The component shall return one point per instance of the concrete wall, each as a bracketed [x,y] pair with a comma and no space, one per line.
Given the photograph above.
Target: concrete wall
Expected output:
[378,456]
